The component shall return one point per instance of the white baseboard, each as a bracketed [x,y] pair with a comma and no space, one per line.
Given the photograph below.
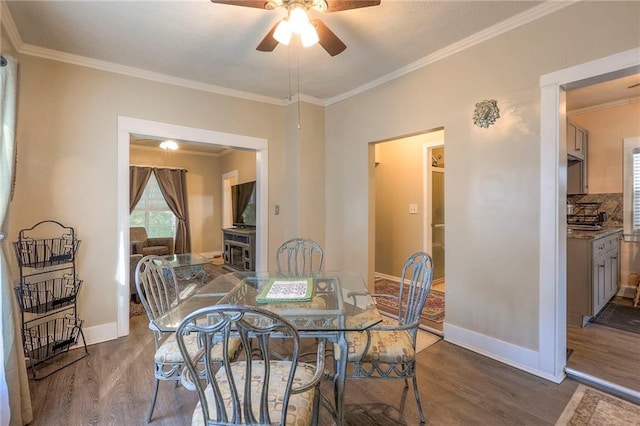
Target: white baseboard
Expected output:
[507,353]
[98,334]
[386,277]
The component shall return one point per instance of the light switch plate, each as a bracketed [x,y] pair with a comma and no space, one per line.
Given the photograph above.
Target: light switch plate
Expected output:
[413,209]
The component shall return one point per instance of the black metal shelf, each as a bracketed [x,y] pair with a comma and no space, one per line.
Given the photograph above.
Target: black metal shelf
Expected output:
[48,293]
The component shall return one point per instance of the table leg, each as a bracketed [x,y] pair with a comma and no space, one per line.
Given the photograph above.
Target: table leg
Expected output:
[339,379]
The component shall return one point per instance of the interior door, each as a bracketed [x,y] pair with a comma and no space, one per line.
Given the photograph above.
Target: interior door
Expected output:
[437,221]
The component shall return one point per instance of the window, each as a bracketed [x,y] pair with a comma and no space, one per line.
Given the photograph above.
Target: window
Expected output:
[631,190]
[153,213]
[636,191]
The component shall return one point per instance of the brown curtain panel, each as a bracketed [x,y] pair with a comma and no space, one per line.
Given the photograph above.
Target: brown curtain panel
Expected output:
[138,178]
[173,184]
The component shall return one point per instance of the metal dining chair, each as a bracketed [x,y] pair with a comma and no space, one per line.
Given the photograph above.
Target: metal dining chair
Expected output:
[258,388]
[157,288]
[388,350]
[299,257]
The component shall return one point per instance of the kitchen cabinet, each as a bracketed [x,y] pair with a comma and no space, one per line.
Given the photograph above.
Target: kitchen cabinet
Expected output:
[577,138]
[577,159]
[593,269]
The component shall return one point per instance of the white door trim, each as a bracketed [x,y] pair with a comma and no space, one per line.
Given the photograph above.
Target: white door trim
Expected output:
[128,126]
[552,326]
[426,192]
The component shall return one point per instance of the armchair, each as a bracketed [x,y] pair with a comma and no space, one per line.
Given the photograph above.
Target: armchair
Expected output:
[141,244]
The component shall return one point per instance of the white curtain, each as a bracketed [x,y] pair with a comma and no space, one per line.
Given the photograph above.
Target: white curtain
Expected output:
[15,401]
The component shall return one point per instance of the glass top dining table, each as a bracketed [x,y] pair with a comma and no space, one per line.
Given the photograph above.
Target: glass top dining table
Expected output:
[340,303]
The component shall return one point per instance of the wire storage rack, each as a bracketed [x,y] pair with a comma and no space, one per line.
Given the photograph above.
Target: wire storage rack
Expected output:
[47,294]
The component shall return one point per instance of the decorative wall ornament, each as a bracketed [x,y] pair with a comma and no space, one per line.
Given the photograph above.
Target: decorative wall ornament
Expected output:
[486,113]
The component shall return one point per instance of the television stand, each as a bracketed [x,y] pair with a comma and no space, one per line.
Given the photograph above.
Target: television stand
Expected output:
[239,249]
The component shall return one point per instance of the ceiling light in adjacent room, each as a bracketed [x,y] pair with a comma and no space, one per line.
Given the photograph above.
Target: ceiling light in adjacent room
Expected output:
[169,145]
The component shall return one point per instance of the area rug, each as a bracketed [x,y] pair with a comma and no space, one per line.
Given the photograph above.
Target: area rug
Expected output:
[211,270]
[622,317]
[424,339]
[591,407]
[433,308]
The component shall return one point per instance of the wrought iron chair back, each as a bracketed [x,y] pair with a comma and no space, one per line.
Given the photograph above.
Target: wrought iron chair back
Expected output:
[259,389]
[387,351]
[156,285]
[415,284]
[299,257]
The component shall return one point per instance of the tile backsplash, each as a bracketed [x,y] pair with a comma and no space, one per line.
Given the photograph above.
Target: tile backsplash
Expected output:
[610,203]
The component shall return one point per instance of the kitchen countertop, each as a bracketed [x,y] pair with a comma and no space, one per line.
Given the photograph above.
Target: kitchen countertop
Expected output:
[593,234]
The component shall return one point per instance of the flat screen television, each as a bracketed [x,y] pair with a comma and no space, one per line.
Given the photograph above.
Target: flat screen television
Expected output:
[243,202]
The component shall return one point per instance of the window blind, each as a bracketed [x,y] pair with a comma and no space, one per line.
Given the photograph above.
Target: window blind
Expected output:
[635,213]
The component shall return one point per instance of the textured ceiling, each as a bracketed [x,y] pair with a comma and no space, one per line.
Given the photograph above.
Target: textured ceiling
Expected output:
[213,45]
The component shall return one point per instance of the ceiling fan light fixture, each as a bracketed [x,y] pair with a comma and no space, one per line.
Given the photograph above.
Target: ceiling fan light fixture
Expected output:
[283,32]
[309,35]
[298,19]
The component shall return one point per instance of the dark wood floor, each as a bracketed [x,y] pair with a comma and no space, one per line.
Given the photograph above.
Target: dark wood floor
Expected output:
[112,386]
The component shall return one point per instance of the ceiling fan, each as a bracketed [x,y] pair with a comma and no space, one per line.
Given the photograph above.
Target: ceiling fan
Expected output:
[311,31]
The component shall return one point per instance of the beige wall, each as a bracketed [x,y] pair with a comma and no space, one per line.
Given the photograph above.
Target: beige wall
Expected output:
[67,150]
[493,175]
[244,162]
[607,128]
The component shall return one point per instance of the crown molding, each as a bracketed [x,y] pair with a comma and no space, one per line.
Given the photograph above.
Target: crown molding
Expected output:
[606,105]
[544,9]
[516,21]
[143,74]
[9,26]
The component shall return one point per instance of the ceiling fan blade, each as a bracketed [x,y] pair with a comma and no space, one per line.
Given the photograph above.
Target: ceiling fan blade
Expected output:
[269,42]
[331,43]
[248,3]
[338,5]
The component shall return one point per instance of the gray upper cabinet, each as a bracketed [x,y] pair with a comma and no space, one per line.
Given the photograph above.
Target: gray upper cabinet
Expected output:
[577,161]
[576,142]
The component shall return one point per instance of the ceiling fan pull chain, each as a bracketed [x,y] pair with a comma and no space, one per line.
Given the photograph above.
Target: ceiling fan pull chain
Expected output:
[290,95]
[298,78]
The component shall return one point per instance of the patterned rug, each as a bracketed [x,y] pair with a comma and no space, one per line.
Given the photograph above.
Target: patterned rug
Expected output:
[590,407]
[211,270]
[433,308]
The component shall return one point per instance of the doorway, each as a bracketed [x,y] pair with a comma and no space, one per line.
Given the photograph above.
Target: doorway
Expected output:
[130,126]
[408,214]
[228,180]
[434,226]
[552,225]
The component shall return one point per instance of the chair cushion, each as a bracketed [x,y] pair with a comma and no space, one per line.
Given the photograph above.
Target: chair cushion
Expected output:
[169,352]
[388,346]
[300,409]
